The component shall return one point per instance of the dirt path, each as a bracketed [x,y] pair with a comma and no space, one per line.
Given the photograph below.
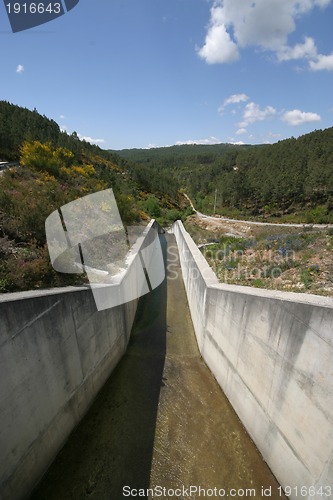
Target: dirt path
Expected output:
[287,257]
[245,225]
[161,421]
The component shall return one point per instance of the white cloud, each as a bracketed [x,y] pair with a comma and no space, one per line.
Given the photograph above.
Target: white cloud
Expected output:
[267,24]
[62,117]
[241,131]
[298,117]
[218,47]
[89,139]
[273,136]
[306,50]
[63,128]
[235,143]
[20,68]
[253,113]
[322,63]
[209,140]
[233,99]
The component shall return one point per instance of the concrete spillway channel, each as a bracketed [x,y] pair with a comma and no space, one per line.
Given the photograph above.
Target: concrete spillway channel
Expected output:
[161,420]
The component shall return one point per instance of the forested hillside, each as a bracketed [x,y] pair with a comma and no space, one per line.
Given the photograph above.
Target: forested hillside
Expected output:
[19,124]
[170,168]
[56,168]
[292,178]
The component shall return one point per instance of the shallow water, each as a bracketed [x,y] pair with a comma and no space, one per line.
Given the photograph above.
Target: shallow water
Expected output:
[161,420]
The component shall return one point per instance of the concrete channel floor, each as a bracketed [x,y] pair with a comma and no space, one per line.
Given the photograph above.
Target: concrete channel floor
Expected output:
[161,420]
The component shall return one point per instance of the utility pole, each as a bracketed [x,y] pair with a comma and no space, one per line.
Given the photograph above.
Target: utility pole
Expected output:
[215,201]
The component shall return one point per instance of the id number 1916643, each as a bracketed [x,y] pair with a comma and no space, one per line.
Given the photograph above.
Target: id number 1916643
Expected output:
[307,491]
[33,8]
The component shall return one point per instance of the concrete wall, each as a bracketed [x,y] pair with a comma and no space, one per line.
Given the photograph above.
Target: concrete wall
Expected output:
[272,354]
[56,352]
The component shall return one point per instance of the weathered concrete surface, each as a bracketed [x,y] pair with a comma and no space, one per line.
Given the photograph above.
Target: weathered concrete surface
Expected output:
[199,440]
[272,353]
[161,420]
[56,352]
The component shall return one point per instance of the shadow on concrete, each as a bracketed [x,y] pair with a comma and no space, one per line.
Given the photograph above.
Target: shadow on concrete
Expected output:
[112,447]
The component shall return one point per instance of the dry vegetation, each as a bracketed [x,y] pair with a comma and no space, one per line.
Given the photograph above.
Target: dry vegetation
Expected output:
[271,257]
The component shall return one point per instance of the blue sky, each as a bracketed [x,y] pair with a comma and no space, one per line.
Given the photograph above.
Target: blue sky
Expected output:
[131,73]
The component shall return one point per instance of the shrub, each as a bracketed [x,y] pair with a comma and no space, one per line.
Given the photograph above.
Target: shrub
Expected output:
[173,215]
[152,206]
[43,157]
